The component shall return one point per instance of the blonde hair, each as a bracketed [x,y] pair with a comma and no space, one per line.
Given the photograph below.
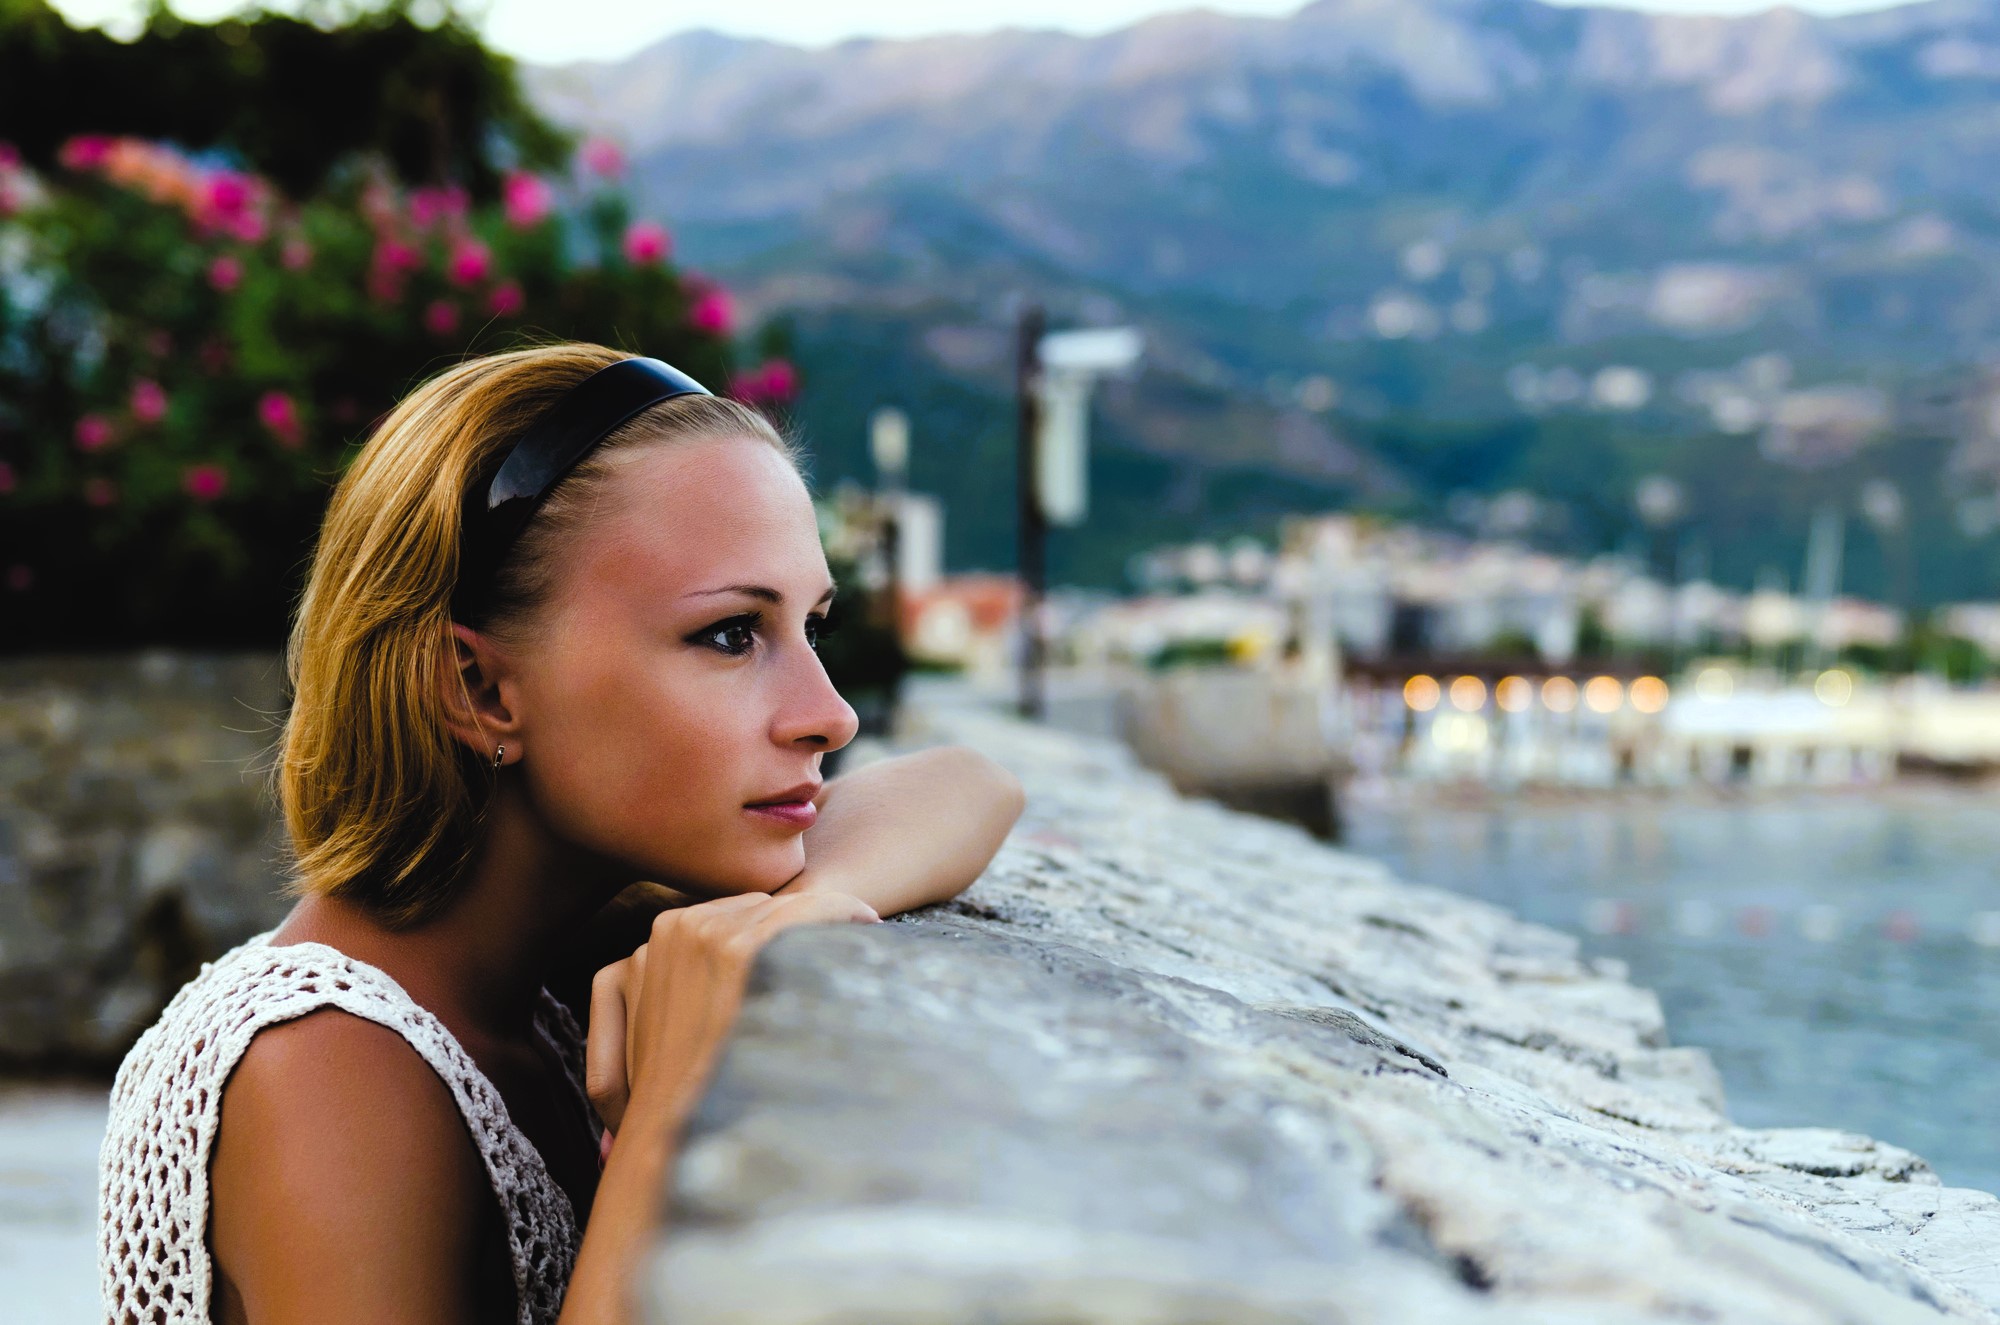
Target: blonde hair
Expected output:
[382,802]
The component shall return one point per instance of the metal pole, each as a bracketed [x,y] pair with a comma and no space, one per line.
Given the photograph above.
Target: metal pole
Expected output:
[1033,530]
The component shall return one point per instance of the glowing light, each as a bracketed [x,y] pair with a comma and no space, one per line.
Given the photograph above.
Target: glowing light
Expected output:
[1834,687]
[1514,694]
[1459,733]
[1468,694]
[1421,693]
[1649,694]
[1603,694]
[1559,694]
[1714,683]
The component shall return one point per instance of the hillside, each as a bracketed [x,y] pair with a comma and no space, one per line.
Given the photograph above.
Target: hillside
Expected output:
[1385,251]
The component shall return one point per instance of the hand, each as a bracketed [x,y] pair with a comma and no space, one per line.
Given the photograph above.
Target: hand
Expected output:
[659,1017]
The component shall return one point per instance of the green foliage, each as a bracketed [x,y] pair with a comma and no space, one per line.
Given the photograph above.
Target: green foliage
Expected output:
[1192,653]
[292,100]
[864,655]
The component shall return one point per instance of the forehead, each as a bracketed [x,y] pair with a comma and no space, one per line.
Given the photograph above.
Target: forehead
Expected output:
[695,515]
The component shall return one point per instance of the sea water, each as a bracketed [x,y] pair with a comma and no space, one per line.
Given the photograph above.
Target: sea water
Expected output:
[1836,952]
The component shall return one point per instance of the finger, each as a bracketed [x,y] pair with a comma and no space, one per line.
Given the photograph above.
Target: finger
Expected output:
[606,1071]
[731,902]
[635,986]
[831,907]
[813,909]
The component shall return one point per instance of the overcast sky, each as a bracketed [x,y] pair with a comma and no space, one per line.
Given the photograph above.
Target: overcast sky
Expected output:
[551,31]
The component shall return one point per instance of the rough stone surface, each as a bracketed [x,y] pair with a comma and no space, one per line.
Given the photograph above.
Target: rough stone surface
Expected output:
[135,842]
[1170,1063]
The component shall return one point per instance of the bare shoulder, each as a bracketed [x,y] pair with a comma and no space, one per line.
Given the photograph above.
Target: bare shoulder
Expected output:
[344,1184]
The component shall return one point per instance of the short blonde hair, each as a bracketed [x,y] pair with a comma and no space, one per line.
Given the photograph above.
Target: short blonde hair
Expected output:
[382,802]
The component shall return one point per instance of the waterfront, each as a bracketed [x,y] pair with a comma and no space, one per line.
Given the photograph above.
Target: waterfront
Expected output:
[1832,949]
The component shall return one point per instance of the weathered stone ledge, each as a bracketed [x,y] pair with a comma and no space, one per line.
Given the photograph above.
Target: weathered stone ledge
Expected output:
[1169,1063]
[135,841]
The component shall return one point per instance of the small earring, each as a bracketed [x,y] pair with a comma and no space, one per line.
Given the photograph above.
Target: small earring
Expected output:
[498,755]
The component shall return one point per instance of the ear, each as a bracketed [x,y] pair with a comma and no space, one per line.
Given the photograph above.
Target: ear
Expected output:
[479,694]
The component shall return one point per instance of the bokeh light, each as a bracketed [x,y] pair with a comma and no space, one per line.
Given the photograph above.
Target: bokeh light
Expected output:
[1603,694]
[1834,687]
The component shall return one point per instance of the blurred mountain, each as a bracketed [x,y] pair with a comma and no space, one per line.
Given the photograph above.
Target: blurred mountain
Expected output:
[1410,254]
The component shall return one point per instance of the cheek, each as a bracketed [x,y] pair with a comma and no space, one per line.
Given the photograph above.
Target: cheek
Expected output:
[650,766]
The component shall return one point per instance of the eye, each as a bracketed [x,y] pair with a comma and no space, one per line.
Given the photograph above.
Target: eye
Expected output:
[743,627]
[818,627]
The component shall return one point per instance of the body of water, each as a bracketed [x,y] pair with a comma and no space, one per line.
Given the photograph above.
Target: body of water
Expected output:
[1838,953]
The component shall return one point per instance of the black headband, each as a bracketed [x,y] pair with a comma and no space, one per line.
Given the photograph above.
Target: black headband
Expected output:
[496,511]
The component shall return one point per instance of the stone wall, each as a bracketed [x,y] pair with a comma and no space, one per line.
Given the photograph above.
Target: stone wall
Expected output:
[1170,1063]
[135,841]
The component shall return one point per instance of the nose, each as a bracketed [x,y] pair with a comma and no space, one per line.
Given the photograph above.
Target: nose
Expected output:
[812,713]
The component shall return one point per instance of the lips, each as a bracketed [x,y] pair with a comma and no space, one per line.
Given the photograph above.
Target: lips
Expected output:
[793,808]
[805,791]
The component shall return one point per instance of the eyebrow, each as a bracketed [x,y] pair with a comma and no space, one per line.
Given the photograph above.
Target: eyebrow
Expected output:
[760,591]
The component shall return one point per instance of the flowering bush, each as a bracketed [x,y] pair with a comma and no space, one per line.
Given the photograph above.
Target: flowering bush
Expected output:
[188,357]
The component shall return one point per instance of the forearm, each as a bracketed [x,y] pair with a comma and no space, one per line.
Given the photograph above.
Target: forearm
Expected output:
[625,1219]
[909,831]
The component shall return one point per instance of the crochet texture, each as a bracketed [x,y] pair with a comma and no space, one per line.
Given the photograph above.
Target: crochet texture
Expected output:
[166,1105]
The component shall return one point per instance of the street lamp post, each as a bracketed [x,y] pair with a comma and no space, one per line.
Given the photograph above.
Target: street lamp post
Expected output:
[1033,533]
[1053,377]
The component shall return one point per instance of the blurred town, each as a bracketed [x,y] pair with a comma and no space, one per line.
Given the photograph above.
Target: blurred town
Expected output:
[1363,648]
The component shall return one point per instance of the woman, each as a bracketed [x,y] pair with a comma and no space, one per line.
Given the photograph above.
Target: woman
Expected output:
[554,668]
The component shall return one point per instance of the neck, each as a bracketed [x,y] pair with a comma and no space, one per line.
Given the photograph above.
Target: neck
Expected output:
[480,965]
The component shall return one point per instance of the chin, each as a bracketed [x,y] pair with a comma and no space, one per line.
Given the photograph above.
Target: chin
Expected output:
[761,870]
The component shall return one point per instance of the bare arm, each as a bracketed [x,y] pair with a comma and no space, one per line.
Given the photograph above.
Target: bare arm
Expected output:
[909,831]
[344,1186]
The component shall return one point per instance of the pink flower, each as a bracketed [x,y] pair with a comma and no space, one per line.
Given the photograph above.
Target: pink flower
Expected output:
[526,199]
[646,243]
[19,578]
[204,482]
[228,194]
[280,416]
[441,318]
[393,255]
[85,152]
[430,205]
[296,255]
[713,312]
[6,477]
[225,273]
[602,157]
[506,299]
[149,402]
[100,492]
[93,432]
[10,155]
[772,380]
[249,227]
[470,263]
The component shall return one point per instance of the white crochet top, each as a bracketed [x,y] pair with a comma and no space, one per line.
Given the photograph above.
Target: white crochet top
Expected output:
[166,1104]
